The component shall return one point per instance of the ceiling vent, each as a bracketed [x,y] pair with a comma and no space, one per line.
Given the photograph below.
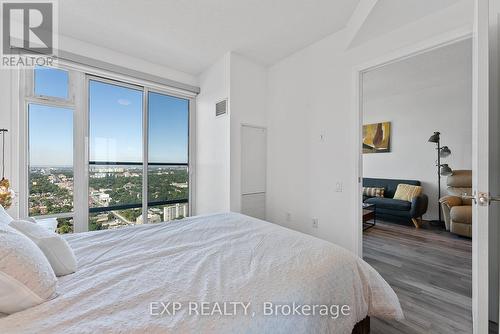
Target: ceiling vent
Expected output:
[221,108]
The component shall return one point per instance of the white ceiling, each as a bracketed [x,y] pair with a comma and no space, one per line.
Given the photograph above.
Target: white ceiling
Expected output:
[190,35]
[451,63]
[388,15]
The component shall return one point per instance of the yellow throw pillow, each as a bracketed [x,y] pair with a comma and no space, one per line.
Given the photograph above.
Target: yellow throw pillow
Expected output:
[406,192]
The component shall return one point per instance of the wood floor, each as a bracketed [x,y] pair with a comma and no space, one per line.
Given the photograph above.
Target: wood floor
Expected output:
[430,271]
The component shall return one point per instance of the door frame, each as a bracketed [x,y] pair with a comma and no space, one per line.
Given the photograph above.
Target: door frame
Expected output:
[480,165]
[357,76]
[479,283]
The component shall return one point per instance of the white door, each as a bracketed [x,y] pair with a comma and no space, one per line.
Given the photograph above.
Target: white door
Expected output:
[480,167]
[253,171]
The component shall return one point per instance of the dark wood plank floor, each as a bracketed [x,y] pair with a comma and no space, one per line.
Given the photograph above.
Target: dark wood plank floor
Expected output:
[430,271]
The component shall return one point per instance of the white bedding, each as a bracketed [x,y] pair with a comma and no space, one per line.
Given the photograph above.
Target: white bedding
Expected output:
[216,258]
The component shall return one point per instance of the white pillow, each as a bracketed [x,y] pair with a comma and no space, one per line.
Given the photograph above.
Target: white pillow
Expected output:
[26,277]
[56,249]
[5,218]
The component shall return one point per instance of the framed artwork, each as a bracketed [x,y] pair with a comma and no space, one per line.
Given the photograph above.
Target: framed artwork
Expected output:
[377,137]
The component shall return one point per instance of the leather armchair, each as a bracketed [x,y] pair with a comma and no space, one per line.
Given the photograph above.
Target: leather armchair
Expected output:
[457,212]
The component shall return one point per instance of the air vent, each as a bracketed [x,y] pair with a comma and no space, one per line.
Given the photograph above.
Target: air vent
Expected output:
[221,108]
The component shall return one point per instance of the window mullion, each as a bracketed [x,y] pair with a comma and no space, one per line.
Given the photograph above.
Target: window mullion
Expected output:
[192,157]
[145,155]
[80,153]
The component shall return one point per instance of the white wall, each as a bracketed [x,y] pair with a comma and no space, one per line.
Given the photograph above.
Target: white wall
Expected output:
[419,95]
[248,97]
[310,97]
[212,141]
[244,83]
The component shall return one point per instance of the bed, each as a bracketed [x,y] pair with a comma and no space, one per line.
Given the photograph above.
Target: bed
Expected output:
[127,276]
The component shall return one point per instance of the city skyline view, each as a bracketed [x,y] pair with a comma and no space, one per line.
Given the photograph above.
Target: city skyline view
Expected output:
[51,192]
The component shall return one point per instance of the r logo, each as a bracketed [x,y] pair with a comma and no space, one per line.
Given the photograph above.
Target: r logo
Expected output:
[27,27]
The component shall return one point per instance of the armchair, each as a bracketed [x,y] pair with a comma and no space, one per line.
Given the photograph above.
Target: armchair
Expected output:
[457,211]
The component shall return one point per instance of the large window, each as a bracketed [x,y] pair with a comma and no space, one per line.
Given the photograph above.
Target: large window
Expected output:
[51,159]
[116,154]
[50,147]
[168,145]
[125,145]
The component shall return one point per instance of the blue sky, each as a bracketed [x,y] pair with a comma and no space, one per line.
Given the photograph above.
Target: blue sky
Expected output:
[51,83]
[168,128]
[115,124]
[51,136]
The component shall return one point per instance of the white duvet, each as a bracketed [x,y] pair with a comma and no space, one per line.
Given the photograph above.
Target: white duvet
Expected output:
[125,278]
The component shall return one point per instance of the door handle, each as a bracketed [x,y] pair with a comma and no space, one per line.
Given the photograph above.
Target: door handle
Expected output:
[482,199]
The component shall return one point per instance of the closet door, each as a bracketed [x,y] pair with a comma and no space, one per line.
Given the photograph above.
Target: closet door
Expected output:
[253,171]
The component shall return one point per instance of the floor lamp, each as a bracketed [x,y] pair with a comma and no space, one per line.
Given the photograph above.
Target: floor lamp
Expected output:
[442,169]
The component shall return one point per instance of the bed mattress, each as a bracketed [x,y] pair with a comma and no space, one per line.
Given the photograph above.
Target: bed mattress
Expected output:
[247,274]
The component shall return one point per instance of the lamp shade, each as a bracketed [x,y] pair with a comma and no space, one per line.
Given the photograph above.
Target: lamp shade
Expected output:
[434,138]
[444,152]
[445,170]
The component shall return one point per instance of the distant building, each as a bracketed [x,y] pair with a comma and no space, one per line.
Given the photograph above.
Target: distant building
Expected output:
[102,218]
[179,185]
[114,224]
[104,198]
[152,218]
[175,211]
[43,209]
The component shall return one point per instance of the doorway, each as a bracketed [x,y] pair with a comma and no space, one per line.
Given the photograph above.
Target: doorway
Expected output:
[253,170]
[416,113]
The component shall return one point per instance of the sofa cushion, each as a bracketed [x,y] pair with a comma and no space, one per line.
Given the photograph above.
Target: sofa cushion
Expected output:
[406,192]
[460,179]
[389,185]
[461,214]
[373,192]
[389,203]
[462,229]
[455,191]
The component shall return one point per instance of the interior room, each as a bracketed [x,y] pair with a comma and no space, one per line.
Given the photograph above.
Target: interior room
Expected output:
[234,166]
[404,103]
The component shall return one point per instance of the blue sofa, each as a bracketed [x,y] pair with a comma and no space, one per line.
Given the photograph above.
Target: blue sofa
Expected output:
[388,208]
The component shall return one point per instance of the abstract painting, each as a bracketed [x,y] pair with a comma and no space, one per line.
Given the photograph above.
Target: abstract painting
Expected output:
[377,137]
